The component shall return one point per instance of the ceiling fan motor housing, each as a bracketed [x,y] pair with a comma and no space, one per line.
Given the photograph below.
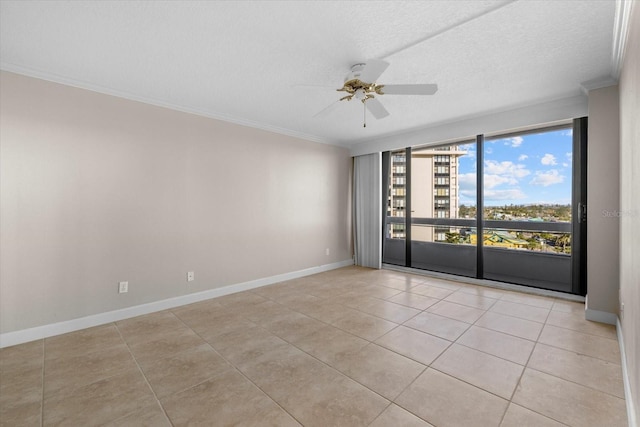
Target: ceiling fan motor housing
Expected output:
[356,72]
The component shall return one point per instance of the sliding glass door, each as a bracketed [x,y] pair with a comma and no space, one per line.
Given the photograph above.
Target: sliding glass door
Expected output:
[502,208]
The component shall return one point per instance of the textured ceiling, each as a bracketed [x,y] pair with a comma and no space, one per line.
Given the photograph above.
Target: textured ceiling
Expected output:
[274,65]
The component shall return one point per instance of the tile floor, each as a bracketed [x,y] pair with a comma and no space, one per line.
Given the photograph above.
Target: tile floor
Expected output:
[352,346]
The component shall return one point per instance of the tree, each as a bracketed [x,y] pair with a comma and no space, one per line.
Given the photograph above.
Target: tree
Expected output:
[452,237]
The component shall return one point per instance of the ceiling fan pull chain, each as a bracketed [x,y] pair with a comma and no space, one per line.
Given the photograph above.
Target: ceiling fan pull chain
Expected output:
[364,115]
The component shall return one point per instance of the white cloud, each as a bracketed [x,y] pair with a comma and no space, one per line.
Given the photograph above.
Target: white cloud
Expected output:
[569,156]
[547,178]
[491,181]
[522,157]
[516,141]
[548,159]
[488,150]
[568,132]
[506,169]
[499,195]
[566,165]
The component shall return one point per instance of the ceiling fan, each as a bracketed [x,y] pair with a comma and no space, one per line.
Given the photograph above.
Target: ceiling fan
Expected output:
[361,84]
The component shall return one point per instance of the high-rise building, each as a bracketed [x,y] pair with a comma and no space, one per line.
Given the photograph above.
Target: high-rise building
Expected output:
[434,190]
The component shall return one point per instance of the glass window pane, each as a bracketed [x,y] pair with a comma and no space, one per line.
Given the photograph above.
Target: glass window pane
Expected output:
[527,178]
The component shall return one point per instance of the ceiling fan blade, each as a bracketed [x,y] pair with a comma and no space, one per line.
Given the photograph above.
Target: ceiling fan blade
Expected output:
[326,111]
[418,89]
[376,108]
[372,70]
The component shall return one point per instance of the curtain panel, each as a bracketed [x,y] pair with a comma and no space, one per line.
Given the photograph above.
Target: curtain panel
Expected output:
[367,213]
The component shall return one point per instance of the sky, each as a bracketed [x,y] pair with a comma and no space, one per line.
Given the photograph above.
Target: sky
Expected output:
[527,169]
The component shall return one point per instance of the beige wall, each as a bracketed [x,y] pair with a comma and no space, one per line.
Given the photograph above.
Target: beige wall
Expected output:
[603,200]
[630,204]
[96,189]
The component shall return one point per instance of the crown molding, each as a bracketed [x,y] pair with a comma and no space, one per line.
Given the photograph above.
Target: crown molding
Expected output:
[12,68]
[620,32]
[598,83]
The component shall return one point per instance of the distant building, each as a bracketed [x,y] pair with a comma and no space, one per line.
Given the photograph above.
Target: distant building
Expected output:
[434,190]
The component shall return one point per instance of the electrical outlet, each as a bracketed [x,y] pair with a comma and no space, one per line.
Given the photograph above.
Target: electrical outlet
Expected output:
[621,311]
[327,251]
[191,276]
[123,287]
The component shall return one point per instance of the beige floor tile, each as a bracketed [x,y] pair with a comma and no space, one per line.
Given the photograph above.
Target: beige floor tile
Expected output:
[388,310]
[295,299]
[331,344]
[212,329]
[397,283]
[568,306]
[456,311]
[568,402]
[67,373]
[268,311]
[226,359]
[490,373]
[28,355]
[363,325]
[439,326]
[277,290]
[459,297]
[578,368]
[145,328]
[227,399]
[331,401]
[416,301]
[523,311]
[416,345]
[183,370]
[151,416]
[99,402]
[441,283]
[325,311]
[381,370]
[21,386]
[240,300]
[446,401]
[248,345]
[517,416]
[587,344]
[381,292]
[25,414]
[533,300]
[172,342]
[323,290]
[482,291]
[315,394]
[294,327]
[510,325]
[283,370]
[396,416]
[201,316]
[498,344]
[431,291]
[82,342]
[577,322]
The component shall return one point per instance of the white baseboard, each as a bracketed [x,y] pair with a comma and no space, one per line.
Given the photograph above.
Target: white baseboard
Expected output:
[25,335]
[631,409]
[600,316]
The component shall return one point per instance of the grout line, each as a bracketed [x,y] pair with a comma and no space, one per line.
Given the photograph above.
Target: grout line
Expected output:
[143,376]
